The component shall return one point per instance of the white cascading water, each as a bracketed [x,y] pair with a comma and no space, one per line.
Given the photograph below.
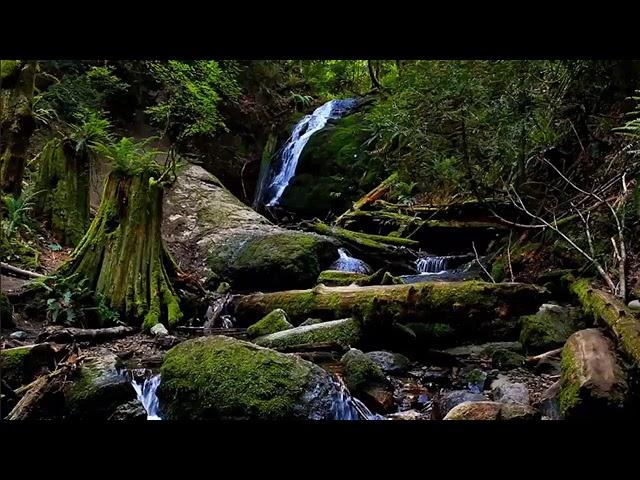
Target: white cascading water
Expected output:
[346,407]
[347,263]
[146,392]
[301,134]
[431,264]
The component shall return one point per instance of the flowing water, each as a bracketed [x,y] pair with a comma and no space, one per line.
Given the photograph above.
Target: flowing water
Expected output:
[301,134]
[146,392]
[431,264]
[347,263]
[346,407]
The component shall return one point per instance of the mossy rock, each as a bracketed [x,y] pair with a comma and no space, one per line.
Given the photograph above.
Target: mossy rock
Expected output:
[345,332]
[225,378]
[6,312]
[337,278]
[505,359]
[361,371]
[20,365]
[433,335]
[492,411]
[274,322]
[98,390]
[549,328]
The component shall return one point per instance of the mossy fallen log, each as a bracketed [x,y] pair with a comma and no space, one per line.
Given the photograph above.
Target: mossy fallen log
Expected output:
[375,194]
[606,308]
[471,308]
[366,240]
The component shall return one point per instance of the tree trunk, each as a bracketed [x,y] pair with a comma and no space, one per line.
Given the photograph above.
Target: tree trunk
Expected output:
[375,84]
[18,127]
[63,183]
[123,255]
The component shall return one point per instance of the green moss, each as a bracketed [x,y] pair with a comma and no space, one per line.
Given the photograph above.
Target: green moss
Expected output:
[360,371]
[8,68]
[334,278]
[219,377]
[505,359]
[19,365]
[275,321]
[345,332]
[569,396]
[548,329]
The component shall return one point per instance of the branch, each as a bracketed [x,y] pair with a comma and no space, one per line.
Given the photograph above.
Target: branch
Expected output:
[473,244]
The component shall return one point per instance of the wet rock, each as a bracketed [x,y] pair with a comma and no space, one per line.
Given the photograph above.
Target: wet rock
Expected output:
[345,332]
[549,403]
[436,376]
[224,378]
[449,400]
[492,411]
[366,380]
[634,305]
[506,391]
[550,327]
[389,362]
[213,233]
[475,379]
[97,390]
[19,335]
[378,398]
[159,330]
[276,321]
[407,415]
[310,321]
[130,411]
[593,383]
[21,365]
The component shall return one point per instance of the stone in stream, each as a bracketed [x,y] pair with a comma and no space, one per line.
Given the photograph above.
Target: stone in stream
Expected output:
[221,377]
[275,321]
[345,332]
[506,391]
[19,335]
[215,235]
[366,380]
[449,400]
[634,305]
[159,330]
[97,389]
[550,327]
[593,384]
[389,362]
[492,411]
[130,411]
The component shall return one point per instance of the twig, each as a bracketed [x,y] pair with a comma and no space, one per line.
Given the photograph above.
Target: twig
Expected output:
[20,272]
[473,244]
[542,356]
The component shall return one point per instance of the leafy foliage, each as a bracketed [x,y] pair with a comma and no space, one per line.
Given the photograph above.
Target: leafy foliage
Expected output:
[17,211]
[130,157]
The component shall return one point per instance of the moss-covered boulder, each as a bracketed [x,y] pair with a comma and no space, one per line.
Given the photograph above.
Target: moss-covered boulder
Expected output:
[366,380]
[492,411]
[593,383]
[390,362]
[21,365]
[550,327]
[6,312]
[274,322]
[213,234]
[345,332]
[337,278]
[225,378]
[97,390]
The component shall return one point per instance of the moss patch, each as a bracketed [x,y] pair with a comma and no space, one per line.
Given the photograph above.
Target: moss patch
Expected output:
[345,332]
[549,328]
[274,322]
[335,278]
[360,371]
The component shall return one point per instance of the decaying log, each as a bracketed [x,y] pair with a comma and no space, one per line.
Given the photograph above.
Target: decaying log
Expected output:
[69,335]
[607,308]
[372,196]
[19,272]
[465,303]
[366,240]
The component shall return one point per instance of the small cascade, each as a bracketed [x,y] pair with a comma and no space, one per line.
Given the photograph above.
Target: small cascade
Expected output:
[146,391]
[291,151]
[431,264]
[347,263]
[346,407]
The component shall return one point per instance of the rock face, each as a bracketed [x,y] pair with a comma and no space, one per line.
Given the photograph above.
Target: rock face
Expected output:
[211,233]
[592,382]
[98,390]
[274,322]
[345,332]
[492,411]
[549,328]
[224,378]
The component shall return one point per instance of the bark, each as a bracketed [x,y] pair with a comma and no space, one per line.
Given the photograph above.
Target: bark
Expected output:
[123,255]
[375,194]
[69,335]
[375,84]
[17,129]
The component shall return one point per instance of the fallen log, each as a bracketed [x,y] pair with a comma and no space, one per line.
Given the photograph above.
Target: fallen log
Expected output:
[469,307]
[365,240]
[606,308]
[313,347]
[375,194]
[592,382]
[70,334]
[19,272]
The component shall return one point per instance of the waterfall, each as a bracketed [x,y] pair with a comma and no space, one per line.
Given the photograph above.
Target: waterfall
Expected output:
[347,263]
[146,392]
[431,264]
[301,134]
[346,407]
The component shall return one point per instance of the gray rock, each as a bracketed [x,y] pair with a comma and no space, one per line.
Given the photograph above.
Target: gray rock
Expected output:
[505,391]
[455,397]
[19,335]
[159,330]
[436,376]
[130,411]
[634,304]
[389,362]
[492,411]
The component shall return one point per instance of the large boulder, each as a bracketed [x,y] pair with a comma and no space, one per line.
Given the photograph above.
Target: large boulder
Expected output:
[366,380]
[224,378]
[389,362]
[345,332]
[550,327]
[213,234]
